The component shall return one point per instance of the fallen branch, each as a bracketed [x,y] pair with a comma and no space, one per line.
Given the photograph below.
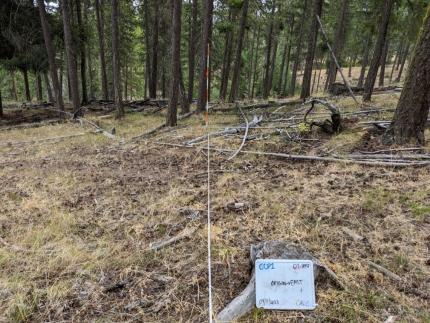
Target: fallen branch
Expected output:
[402,285]
[244,136]
[310,158]
[227,131]
[154,246]
[333,126]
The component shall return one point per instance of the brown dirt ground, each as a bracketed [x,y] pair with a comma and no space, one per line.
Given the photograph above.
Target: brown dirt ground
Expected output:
[77,217]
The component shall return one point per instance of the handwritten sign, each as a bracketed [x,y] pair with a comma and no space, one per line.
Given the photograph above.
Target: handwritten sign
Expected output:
[285,284]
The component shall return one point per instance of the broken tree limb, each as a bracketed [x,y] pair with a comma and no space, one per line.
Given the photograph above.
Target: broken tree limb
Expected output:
[336,61]
[333,126]
[244,136]
[227,131]
[403,286]
[154,246]
[245,301]
[311,158]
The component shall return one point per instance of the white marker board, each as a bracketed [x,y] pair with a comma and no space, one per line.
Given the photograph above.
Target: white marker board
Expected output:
[284,284]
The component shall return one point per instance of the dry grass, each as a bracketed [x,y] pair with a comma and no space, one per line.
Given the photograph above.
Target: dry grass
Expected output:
[84,210]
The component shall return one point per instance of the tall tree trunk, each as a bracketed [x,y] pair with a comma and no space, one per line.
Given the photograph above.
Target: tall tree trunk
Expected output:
[82,51]
[379,47]
[412,111]
[1,105]
[71,54]
[235,83]
[14,92]
[254,73]
[339,42]
[273,63]
[88,53]
[116,67]
[48,87]
[192,50]
[364,63]
[205,44]
[154,68]
[51,57]
[26,85]
[226,64]
[312,40]
[299,48]
[266,88]
[39,90]
[146,22]
[319,74]
[383,63]
[171,117]
[185,103]
[99,5]
[396,59]
[402,64]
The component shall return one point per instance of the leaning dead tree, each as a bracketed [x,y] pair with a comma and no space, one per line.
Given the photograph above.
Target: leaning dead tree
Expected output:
[329,126]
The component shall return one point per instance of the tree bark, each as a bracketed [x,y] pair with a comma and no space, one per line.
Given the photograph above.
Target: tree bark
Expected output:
[235,83]
[192,50]
[1,105]
[254,73]
[48,87]
[402,64]
[26,85]
[226,64]
[148,74]
[51,58]
[82,51]
[154,68]
[14,92]
[100,30]
[313,34]
[379,47]
[39,88]
[71,54]
[171,117]
[88,53]
[383,63]
[412,111]
[339,42]
[266,89]
[364,63]
[298,53]
[205,44]
[116,67]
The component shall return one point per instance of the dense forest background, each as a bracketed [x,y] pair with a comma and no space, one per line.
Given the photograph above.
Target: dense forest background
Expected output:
[274,37]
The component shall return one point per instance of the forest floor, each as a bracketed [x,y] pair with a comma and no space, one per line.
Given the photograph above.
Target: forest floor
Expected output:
[78,215]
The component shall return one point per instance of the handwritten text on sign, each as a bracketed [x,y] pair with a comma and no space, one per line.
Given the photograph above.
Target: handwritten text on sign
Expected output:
[285,284]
